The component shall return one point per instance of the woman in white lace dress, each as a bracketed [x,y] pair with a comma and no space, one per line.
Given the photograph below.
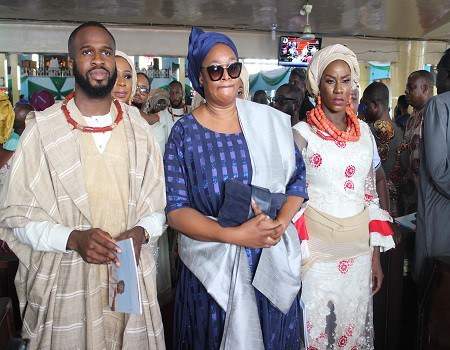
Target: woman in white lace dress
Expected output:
[346,227]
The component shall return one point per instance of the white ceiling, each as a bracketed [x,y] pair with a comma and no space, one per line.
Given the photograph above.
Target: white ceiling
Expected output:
[408,19]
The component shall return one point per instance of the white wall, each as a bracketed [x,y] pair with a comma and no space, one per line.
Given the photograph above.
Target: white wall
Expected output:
[46,38]
[159,41]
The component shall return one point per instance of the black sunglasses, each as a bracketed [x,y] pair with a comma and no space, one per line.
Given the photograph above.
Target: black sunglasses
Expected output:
[282,99]
[143,89]
[215,71]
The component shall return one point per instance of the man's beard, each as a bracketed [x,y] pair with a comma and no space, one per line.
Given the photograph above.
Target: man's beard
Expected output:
[90,90]
[138,105]
[178,104]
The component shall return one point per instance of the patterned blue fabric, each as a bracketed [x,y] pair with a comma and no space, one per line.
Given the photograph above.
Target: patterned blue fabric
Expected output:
[197,162]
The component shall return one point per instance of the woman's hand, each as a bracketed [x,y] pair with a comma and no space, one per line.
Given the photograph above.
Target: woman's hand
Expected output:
[260,231]
[377,271]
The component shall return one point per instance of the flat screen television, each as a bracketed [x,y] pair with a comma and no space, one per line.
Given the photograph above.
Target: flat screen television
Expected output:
[297,52]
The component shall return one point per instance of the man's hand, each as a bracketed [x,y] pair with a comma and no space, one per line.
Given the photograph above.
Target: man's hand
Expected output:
[138,236]
[94,245]
[150,118]
[398,234]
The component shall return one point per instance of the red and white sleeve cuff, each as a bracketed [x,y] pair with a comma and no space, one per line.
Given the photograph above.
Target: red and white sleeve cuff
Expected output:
[299,223]
[380,229]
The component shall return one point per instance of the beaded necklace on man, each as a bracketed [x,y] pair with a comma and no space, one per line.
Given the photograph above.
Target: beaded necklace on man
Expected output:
[91,129]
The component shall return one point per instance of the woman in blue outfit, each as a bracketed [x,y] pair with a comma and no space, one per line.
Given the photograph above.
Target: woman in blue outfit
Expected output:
[220,299]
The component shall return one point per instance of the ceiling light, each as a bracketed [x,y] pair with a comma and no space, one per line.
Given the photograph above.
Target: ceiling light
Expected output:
[274,31]
[307,32]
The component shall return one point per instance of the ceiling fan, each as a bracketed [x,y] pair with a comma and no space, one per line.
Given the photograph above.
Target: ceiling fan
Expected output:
[307,32]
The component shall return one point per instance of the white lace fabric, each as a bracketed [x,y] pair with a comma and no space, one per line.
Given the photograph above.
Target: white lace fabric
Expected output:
[338,301]
[337,293]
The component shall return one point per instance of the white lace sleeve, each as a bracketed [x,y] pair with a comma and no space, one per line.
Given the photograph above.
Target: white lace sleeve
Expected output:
[379,220]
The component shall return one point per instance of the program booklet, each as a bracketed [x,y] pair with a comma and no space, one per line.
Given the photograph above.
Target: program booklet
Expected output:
[124,291]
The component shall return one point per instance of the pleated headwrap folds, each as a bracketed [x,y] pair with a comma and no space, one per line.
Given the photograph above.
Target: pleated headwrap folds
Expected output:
[323,58]
[200,43]
[6,118]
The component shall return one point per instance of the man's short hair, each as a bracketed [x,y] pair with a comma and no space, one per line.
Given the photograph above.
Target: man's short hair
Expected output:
[445,60]
[378,92]
[260,93]
[146,77]
[300,72]
[291,89]
[402,102]
[24,106]
[424,75]
[79,28]
[175,82]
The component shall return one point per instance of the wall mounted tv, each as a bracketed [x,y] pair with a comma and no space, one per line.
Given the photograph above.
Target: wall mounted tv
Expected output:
[297,52]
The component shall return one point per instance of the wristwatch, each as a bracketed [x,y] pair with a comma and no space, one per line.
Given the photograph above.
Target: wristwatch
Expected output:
[146,236]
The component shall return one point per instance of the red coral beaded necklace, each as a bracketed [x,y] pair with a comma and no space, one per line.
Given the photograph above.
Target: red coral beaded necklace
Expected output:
[92,129]
[321,124]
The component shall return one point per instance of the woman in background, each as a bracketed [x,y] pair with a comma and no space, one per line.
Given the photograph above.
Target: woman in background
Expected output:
[126,82]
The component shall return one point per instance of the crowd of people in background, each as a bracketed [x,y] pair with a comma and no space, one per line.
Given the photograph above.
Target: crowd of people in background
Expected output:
[310,178]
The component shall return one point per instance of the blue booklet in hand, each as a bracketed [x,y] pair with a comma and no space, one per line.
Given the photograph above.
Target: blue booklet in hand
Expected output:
[124,291]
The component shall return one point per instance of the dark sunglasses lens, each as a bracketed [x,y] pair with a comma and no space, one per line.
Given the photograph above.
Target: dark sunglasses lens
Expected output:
[234,70]
[215,72]
[283,100]
[278,100]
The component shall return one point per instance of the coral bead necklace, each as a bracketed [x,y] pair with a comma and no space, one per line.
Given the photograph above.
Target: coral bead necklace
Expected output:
[322,125]
[91,129]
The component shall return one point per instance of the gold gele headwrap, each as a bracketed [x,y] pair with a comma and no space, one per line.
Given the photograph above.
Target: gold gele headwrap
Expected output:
[6,118]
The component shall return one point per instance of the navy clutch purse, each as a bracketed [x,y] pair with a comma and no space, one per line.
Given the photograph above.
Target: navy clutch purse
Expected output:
[236,207]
